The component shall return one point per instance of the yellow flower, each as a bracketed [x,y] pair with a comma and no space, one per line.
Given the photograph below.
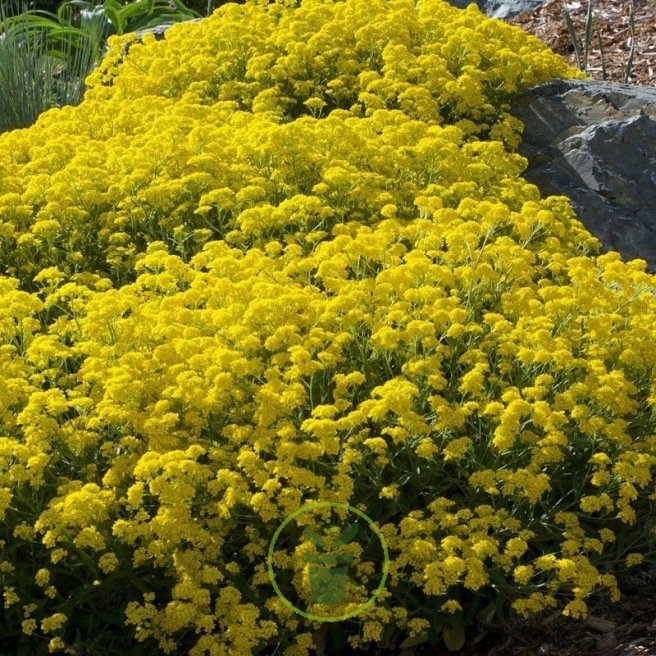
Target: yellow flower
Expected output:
[476,577]
[456,449]
[516,547]
[634,559]
[56,645]
[28,626]
[426,448]
[108,562]
[10,597]
[42,578]
[576,608]
[451,606]
[372,631]
[389,492]
[523,574]
[53,623]
[271,256]
[376,444]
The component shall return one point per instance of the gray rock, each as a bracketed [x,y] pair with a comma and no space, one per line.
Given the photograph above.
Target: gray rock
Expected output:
[509,8]
[160,30]
[499,8]
[595,142]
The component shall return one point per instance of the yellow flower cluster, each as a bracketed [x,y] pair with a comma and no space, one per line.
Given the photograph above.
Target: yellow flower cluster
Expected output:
[194,137]
[284,255]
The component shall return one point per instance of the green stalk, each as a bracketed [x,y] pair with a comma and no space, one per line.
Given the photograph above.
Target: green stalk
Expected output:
[574,38]
[603,61]
[77,55]
[588,35]
[629,65]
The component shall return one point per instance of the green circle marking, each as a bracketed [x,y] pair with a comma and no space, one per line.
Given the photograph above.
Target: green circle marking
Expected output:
[372,526]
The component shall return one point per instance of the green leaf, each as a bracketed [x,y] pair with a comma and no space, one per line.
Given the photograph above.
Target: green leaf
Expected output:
[486,615]
[314,537]
[337,637]
[347,534]
[472,607]
[454,633]
[320,639]
[112,4]
[65,12]
[603,62]
[414,642]
[500,608]
[139,8]
[315,558]
[572,34]
[588,35]
[629,64]
[115,18]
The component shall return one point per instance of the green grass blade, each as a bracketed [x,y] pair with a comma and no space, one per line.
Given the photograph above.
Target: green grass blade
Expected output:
[629,64]
[588,35]
[25,77]
[572,34]
[603,61]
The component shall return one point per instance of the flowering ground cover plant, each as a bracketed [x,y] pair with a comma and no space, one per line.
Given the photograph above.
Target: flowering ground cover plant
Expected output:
[286,255]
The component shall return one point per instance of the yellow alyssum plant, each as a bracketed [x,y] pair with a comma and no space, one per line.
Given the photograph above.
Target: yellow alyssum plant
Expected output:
[250,272]
[160,151]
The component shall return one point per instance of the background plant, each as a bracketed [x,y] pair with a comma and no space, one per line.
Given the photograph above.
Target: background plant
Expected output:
[582,58]
[13,7]
[45,58]
[42,65]
[132,17]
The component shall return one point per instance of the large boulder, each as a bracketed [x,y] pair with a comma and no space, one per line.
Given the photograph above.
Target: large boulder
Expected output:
[595,142]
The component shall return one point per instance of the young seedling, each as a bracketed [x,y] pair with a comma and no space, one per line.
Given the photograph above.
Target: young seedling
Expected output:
[337,541]
[329,570]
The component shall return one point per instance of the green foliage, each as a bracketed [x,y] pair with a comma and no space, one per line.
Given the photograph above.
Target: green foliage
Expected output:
[137,15]
[42,65]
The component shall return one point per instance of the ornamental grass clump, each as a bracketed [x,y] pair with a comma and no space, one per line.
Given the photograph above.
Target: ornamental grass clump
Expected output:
[42,65]
[286,255]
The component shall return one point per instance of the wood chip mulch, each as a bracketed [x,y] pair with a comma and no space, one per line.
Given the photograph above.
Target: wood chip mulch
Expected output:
[610,22]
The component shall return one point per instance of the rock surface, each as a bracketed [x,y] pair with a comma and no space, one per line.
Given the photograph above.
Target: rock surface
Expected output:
[499,8]
[595,142]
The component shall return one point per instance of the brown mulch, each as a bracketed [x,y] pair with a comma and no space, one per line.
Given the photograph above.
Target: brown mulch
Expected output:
[611,22]
[623,628]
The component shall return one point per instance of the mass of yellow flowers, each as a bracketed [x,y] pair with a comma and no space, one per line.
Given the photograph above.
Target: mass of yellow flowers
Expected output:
[284,255]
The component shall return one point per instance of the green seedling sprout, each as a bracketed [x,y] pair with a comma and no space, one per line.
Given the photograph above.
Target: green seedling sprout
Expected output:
[338,541]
